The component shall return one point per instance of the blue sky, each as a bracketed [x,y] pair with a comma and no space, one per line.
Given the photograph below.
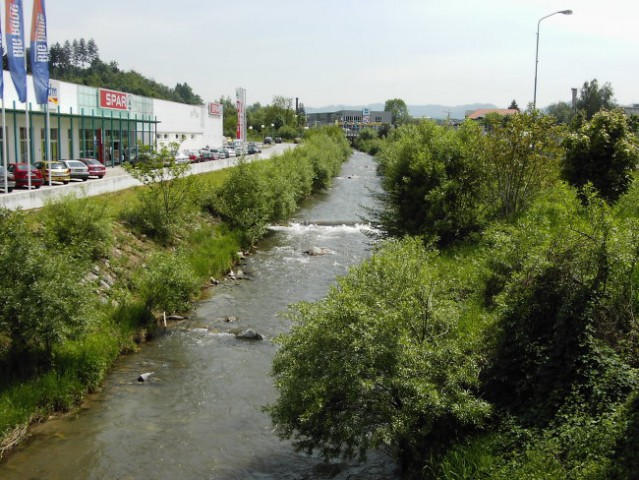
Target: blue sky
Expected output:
[359,52]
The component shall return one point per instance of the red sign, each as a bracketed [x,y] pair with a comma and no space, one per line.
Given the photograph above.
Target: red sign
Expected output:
[114,100]
[215,109]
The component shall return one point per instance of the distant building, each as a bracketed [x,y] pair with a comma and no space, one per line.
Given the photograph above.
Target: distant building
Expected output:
[482,112]
[101,123]
[632,109]
[350,120]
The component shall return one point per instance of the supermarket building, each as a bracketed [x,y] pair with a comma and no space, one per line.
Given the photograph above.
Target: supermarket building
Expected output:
[101,123]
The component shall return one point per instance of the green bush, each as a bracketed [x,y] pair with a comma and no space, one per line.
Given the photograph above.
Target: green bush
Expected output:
[434,182]
[168,283]
[256,194]
[603,151]
[378,362]
[78,226]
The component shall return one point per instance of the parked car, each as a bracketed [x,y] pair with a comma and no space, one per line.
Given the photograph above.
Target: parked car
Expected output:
[182,157]
[253,148]
[77,169]
[223,152]
[210,153]
[229,150]
[11,181]
[24,173]
[268,140]
[278,139]
[96,169]
[59,171]
[194,156]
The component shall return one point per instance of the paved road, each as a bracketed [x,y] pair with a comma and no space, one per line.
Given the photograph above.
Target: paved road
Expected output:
[115,179]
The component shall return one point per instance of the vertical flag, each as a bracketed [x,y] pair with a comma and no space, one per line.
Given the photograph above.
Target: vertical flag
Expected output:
[39,53]
[16,49]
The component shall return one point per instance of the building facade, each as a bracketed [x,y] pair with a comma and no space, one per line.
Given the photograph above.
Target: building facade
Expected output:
[351,120]
[101,123]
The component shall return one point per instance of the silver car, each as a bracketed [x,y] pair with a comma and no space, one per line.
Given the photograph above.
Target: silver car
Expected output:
[78,169]
[11,181]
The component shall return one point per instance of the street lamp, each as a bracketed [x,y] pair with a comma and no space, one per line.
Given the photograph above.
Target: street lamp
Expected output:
[563,12]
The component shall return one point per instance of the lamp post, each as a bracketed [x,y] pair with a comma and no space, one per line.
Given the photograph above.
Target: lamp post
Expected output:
[563,12]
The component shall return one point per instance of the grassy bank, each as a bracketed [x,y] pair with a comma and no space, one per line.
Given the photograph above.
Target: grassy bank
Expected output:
[88,278]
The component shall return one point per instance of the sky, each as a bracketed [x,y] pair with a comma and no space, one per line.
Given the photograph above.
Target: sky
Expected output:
[359,52]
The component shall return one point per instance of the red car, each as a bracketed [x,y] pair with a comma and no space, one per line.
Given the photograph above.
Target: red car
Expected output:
[22,172]
[96,169]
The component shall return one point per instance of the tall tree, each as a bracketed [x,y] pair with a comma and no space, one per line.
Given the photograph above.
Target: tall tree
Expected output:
[92,51]
[399,111]
[513,105]
[593,98]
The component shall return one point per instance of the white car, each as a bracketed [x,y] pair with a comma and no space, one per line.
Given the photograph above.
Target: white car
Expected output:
[182,157]
[230,150]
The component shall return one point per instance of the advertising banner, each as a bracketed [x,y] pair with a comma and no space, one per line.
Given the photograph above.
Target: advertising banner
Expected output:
[16,49]
[240,99]
[39,53]
[54,93]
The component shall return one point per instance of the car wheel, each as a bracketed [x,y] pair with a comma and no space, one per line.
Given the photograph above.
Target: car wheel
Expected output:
[37,186]
[9,190]
[84,179]
[66,182]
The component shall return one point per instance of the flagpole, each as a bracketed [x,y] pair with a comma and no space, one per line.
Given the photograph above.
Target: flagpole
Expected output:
[48,123]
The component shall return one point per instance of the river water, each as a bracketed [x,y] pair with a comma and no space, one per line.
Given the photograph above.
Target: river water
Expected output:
[200,414]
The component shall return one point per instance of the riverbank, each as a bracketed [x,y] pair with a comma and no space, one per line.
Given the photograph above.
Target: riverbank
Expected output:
[132,277]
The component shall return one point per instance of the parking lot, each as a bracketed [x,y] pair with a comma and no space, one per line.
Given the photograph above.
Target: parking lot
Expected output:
[116,178]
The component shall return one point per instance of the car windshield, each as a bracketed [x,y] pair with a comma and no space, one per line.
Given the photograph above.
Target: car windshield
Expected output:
[91,161]
[75,164]
[57,165]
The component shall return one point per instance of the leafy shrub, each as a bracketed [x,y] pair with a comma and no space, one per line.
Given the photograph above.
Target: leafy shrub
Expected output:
[168,283]
[377,363]
[562,319]
[604,152]
[434,181]
[42,298]
[77,225]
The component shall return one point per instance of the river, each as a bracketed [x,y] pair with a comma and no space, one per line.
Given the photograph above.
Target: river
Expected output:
[199,416]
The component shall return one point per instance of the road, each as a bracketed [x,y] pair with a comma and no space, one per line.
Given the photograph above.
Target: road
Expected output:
[115,179]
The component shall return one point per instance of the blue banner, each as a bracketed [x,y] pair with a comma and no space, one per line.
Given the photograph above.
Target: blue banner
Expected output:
[16,49]
[39,53]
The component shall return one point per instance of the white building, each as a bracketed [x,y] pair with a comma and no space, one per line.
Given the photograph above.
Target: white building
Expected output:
[101,123]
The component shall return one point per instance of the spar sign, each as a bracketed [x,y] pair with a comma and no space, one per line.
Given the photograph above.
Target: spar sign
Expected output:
[114,100]
[216,109]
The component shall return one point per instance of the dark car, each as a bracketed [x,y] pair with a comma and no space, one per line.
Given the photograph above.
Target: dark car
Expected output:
[268,140]
[24,172]
[77,169]
[96,169]
[253,148]
[278,139]
[11,181]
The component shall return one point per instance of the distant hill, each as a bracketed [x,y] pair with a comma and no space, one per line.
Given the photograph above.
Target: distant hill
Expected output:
[419,111]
